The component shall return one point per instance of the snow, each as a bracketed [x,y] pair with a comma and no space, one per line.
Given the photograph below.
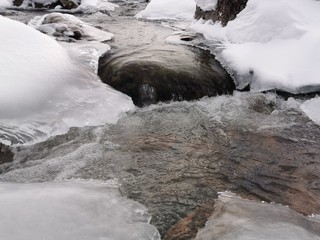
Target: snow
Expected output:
[96,5]
[66,26]
[5,3]
[73,210]
[271,45]
[236,218]
[44,92]
[207,5]
[88,6]
[169,9]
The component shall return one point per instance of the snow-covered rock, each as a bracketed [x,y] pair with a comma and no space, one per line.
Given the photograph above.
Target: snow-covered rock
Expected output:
[207,5]
[169,9]
[271,45]
[44,92]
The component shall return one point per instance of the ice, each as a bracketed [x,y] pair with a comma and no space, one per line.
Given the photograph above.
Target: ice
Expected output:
[311,108]
[235,218]
[207,5]
[169,9]
[73,210]
[44,92]
[271,45]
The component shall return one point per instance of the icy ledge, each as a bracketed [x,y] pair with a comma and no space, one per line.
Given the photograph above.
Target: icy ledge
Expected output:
[235,218]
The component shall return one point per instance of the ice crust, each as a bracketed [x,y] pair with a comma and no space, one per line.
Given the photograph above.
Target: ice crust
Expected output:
[44,91]
[72,210]
[236,218]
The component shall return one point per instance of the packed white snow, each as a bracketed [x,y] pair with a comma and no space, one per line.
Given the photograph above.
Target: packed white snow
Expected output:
[271,45]
[44,92]
[169,9]
[207,5]
[96,5]
[235,218]
[73,210]
[5,3]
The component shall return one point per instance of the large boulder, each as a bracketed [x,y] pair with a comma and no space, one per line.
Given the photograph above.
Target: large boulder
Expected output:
[174,74]
[226,10]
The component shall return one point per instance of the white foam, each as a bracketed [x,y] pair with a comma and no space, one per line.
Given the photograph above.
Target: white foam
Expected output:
[74,210]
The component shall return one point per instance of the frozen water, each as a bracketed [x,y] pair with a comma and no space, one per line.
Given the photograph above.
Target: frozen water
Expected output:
[44,92]
[235,218]
[169,9]
[73,210]
[271,45]
[311,108]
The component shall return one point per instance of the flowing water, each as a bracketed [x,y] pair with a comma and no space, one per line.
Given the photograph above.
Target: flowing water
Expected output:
[174,158]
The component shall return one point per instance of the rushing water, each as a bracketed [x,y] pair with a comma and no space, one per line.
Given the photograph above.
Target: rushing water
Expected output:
[173,158]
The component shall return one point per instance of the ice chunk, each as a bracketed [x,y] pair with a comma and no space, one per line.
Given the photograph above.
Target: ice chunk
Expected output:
[74,210]
[311,108]
[235,218]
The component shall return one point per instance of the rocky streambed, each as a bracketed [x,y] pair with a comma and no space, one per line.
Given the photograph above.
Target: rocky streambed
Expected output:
[175,158]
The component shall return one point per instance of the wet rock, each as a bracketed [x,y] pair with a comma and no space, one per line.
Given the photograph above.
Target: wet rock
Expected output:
[6,154]
[17,2]
[68,4]
[169,75]
[225,11]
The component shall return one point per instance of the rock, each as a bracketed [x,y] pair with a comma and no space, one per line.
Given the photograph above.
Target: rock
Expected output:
[225,11]
[17,2]
[68,4]
[5,154]
[170,75]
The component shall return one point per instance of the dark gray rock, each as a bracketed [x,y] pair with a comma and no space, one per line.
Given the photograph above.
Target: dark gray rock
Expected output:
[6,154]
[226,11]
[170,75]
[68,4]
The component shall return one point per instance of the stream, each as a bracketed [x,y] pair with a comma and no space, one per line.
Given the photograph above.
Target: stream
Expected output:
[242,161]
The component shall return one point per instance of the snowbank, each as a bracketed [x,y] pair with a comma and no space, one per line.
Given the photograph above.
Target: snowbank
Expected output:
[169,9]
[271,45]
[44,92]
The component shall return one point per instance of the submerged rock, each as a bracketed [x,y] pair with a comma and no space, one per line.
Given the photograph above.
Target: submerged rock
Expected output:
[165,75]
[6,154]
[225,11]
